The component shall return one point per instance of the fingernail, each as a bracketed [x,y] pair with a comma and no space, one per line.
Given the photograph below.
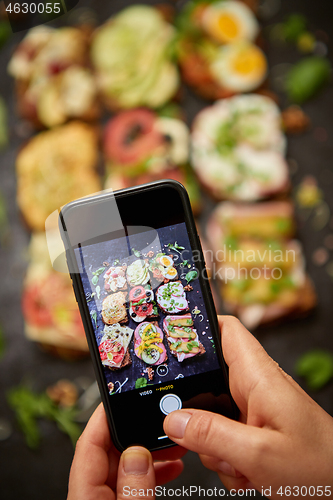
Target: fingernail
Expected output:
[136,461]
[228,469]
[177,422]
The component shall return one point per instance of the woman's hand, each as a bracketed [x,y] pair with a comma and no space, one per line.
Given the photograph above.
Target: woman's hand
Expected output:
[283,439]
[99,472]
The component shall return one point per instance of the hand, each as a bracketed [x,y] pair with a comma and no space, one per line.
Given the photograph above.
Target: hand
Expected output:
[99,472]
[283,438]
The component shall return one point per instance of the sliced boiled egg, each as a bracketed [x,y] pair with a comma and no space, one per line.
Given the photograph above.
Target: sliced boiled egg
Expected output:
[230,21]
[165,260]
[240,67]
[170,273]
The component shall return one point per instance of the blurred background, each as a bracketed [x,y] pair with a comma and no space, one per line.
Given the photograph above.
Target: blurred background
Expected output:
[157,93]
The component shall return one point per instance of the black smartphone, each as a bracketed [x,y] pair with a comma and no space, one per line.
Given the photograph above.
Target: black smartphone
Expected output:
[141,285]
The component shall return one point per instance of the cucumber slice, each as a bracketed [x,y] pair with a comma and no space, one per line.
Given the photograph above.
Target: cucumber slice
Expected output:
[150,357]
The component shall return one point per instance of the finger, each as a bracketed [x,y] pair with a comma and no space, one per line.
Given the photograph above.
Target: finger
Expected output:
[168,471]
[219,466]
[210,434]
[136,472]
[173,453]
[236,483]
[249,364]
[91,464]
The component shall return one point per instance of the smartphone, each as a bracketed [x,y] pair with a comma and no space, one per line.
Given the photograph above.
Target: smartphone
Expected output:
[141,284]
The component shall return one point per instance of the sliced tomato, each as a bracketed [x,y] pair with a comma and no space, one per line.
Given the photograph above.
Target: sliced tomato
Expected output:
[143,309]
[130,137]
[137,293]
[115,348]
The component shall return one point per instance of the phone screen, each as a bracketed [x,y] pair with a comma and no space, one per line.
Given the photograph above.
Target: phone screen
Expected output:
[157,347]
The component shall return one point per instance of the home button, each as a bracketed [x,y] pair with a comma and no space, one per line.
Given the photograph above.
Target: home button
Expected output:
[169,403]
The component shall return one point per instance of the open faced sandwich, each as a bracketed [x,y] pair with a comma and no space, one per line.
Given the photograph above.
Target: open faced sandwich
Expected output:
[53,80]
[115,278]
[260,265]
[238,149]
[148,343]
[54,168]
[132,57]
[171,298]
[113,348]
[217,49]
[182,337]
[141,146]
[114,308]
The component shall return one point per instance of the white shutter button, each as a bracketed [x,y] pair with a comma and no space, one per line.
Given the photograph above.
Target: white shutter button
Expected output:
[169,403]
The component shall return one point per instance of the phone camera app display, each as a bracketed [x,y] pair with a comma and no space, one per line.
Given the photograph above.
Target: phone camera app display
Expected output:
[147,310]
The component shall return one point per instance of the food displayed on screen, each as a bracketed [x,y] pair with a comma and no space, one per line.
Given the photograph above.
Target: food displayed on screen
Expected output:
[157,328]
[113,348]
[182,337]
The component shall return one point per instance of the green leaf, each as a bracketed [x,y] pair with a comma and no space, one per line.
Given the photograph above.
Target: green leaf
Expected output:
[293,26]
[306,78]
[5,32]
[98,291]
[170,110]
[316,367]
[95,280]
[93,314]
[141,382]
[29,406]
[136,252]
[175,247]
[64,418]
[191,275]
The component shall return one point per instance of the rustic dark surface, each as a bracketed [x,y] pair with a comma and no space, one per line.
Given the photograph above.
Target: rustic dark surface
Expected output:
[40,474]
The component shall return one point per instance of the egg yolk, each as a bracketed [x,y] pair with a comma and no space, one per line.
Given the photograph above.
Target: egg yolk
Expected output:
[228,27]
[249,61]
[165,261]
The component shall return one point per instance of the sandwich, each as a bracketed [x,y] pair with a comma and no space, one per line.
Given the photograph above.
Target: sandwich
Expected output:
[148,344]
[217,48]
[142,304]
[113,347]
[182,337]
[114,309]
[115,279]
[259,264]
[142,146]
[53,80]
[171,298]
[55,167]
[139,69]
[238,149]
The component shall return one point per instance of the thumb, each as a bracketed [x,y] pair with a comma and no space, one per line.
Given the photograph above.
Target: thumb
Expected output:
[217,436]
[135,473]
